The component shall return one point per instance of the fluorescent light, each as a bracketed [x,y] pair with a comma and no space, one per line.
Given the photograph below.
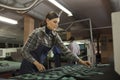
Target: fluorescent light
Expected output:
[8,20]
[61,7]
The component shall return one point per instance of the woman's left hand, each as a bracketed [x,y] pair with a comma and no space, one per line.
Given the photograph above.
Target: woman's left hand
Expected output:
[86,63]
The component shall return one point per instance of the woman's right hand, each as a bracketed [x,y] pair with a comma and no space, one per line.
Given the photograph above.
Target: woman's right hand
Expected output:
[39,66]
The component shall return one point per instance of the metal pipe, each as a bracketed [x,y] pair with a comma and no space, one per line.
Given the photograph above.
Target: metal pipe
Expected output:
[87,29]
[91,33]
[74,21]
[20,9]
[31,9]
[92,43]
[69,26]
[71,23]
[1,9]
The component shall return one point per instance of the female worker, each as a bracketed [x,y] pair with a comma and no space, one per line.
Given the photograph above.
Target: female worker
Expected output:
[40,42]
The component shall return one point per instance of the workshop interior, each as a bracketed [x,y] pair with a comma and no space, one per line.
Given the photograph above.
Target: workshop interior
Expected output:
[95,25]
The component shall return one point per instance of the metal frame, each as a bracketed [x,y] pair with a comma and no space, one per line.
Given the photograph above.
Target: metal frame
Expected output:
[93,60]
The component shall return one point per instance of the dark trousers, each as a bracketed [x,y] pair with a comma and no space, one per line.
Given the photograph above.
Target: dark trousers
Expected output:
[57,60]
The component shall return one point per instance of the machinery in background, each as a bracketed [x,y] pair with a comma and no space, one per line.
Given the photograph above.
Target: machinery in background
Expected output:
[11,54]
[6,52]
[85,45]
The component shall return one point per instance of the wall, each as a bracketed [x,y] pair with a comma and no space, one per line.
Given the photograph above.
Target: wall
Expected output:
[106,48]
[116,39]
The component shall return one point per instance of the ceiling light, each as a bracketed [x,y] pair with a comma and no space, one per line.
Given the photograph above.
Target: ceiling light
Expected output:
[8,20]
[61,7]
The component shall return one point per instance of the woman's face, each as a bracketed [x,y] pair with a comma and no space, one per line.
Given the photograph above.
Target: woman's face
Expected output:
[53,23]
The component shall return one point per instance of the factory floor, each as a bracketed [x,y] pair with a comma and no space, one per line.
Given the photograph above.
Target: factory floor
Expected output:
[109,73]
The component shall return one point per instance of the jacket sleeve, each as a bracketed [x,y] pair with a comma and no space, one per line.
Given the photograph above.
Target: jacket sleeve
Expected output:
[29,46]
[65,49]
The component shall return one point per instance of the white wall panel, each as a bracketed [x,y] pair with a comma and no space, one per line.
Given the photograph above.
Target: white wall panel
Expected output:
[116,40]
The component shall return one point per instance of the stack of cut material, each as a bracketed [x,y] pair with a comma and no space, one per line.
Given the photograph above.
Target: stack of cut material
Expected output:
[74,72]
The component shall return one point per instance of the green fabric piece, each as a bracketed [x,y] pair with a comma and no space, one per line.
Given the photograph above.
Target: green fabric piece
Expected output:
[72,72]
[9,66]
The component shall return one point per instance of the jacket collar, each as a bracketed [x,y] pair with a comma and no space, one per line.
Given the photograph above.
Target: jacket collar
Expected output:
[54,33]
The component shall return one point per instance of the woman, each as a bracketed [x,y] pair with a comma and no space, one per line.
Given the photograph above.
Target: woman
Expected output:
[40,42]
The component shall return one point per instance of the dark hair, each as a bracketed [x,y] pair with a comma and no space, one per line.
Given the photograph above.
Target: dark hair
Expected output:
[71,38]
[50,15]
